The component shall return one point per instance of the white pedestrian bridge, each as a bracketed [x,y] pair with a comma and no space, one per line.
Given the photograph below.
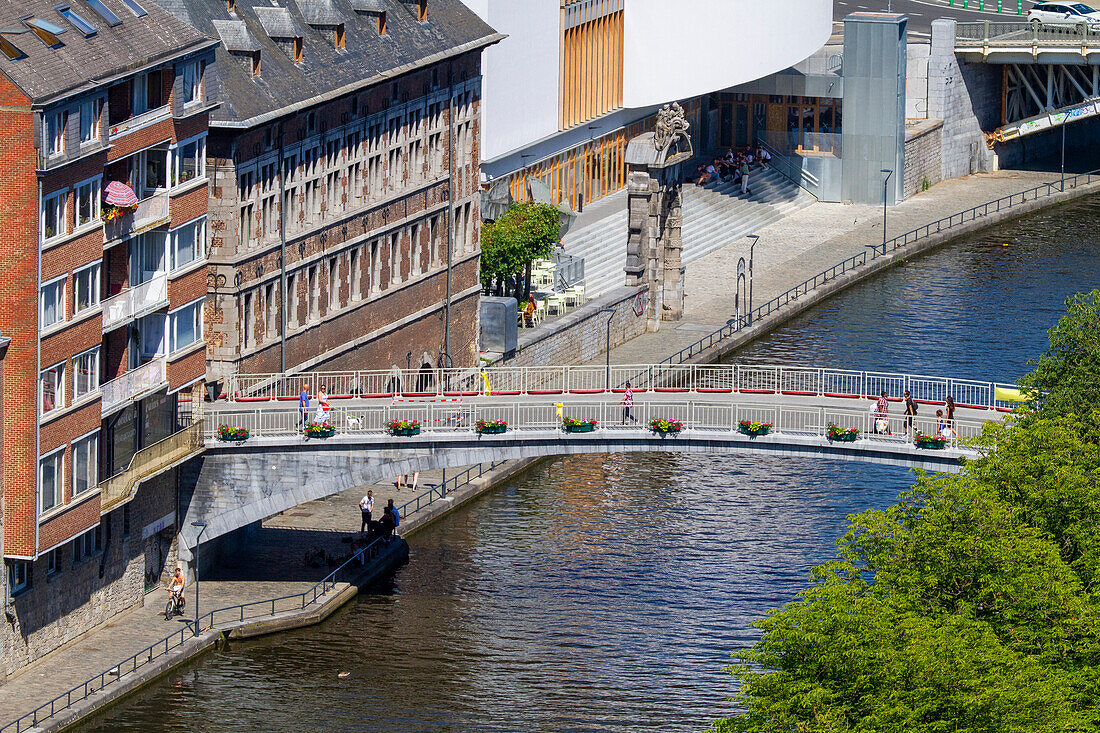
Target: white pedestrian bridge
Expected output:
[276,468]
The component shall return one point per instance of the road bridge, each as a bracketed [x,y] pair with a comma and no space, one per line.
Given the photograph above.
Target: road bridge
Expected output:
[236,483]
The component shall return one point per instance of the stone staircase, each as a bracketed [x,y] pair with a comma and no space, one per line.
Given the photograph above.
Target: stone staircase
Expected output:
[714,216]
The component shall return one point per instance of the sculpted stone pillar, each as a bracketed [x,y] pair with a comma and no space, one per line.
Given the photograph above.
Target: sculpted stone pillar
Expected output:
[655,170]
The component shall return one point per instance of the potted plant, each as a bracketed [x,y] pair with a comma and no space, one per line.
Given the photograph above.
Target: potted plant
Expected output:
[404,428]
[232,434]
[573,425]
[319,430]
[933,442]
[662,426]
[491,427]
[752,429]
[842,435]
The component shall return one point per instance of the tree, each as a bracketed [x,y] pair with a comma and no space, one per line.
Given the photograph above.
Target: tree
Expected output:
[1067,376]
[525,232]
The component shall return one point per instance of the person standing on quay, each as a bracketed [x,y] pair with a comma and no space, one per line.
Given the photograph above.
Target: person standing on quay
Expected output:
[910,412]
[628,404]
[366,506]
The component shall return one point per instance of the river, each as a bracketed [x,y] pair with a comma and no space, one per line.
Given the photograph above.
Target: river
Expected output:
[605,593]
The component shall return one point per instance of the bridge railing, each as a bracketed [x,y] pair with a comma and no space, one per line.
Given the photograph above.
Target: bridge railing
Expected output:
[1021,34]
[664,377]
[795,419]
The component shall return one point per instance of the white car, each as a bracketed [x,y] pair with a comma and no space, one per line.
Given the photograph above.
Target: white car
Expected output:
[1062,13]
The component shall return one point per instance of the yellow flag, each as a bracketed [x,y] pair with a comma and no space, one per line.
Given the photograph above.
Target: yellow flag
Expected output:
[488,390]
[558,406]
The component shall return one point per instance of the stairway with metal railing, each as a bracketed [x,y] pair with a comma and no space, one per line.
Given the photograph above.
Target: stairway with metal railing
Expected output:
[714,216]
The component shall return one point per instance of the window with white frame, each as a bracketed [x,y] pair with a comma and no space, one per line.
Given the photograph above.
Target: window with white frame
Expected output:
[85,463]
[188,160]
[53,561]
[87,201]
[86,286]
[186,325]
[51,302]
[51,388]
[91,115]
[53,215]
[355,273]
[333,283]
[148,256]
[19,576]
[50,480]
[395,258]
[86,373]
[87,544]
[192,82]
[187,243]
[55,133]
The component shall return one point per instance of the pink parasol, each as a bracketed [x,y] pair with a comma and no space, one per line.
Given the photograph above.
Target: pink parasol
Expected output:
[119,194]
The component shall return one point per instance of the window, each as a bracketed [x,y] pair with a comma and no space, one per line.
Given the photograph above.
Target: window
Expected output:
[192,82]
[51,388]
[19,576]
[376,266]
[91,113]
[151,341]
[187,242]
[382,23]
[148,258]
[314,299]
[79,22]
[246,215]
[53,215]
[53,564]
[51,303]
[85,464]
[147,92]
[295,303]
[186,325]
[86,288]
[104,12]
[188,160]
[332,192]
[339,39]
[55,133]
[422,10]
[298,50]
[269,217]
[136,9]
[395,258]
[87,202]
[333,283]
[50,478]
[355,273]
[86,373]
[271,312]
[415,249]
[88,543]
[247,317]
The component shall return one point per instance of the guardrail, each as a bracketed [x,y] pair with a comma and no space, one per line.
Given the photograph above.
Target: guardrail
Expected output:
[149,213]
[792,170]
[671,375]
[133,385]
[1021,34]
[436,493]
[236,613]
[795,419]
[133,302]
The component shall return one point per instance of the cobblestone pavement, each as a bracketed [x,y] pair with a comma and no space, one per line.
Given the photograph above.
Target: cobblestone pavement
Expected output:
[789,251]
[802,245]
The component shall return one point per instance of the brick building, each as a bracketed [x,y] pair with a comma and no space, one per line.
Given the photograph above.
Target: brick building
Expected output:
[100,306]
[344,218]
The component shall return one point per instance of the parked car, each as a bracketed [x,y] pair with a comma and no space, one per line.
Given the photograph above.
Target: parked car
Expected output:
[1062,13]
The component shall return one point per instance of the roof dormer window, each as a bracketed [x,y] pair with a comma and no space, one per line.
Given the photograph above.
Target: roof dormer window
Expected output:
[422,10]
[282,28]
[46,31]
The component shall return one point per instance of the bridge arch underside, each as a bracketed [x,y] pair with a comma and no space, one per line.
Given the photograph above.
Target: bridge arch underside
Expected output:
[230,487]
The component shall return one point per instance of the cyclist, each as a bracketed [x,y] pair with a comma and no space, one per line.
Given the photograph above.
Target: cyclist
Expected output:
[176,587]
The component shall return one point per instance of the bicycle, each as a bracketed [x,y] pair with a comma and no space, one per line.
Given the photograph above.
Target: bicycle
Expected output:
[176,603]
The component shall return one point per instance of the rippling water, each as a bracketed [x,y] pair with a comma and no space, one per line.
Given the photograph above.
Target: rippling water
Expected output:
[605,593]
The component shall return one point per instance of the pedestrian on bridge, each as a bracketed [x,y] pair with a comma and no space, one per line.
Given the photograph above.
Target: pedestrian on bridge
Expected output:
[366,506]
[910,412]
[303,406]
[628,404]
[322,406]
[882,409]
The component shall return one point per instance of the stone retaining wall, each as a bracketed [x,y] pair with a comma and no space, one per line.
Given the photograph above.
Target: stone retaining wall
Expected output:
[923,162]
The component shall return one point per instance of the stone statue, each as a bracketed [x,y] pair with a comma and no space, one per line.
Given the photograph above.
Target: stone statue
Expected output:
[671,124]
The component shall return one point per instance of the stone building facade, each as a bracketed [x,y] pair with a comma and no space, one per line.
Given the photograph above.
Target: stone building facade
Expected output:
[102,304]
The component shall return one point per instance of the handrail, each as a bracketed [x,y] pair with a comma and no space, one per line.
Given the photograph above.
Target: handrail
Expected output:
[1022,34]
[435,493]
[158,649]
[781,160]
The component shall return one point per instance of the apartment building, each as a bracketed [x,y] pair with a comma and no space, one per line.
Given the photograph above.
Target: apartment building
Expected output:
[344,220]
[101,308]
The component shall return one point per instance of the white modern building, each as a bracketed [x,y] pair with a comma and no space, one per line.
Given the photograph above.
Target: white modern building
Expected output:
[576,79]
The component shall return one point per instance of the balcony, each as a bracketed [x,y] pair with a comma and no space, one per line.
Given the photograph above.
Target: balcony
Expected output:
[135,302]
[133,385]
[150,213]
[137,122]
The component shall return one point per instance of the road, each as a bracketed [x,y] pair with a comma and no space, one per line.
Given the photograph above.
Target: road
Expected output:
[922,12]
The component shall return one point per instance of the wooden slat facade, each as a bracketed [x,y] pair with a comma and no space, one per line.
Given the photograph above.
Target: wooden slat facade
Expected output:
[591,78]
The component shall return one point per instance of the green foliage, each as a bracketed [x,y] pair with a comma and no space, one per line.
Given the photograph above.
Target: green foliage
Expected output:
[1067,376]
[526,231]
[970,605]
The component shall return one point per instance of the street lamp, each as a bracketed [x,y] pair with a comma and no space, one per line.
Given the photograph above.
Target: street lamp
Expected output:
[607,351]
[202,528]
[885,179]
[755,238]
[1064,121]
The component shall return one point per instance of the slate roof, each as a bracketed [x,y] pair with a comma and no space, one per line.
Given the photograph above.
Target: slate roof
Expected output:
[367,58]
[236,36]
[48,74]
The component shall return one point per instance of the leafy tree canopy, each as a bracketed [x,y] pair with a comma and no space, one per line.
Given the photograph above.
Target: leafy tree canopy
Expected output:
[1067,375]
[525,232]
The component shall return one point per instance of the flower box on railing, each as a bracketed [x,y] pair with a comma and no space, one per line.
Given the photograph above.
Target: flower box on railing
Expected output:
[573,425]
[232,434]
[404,428]
[753,429]
[842,435]
[491,427]
[930,442]
[664,427]
[319,430]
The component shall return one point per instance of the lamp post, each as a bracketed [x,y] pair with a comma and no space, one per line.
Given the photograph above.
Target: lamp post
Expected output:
[1064,122]
[202,528]
[752,247]
[885,180]
[607,350]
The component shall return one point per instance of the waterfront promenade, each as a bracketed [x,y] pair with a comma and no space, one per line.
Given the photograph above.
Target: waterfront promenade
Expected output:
[789,251]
